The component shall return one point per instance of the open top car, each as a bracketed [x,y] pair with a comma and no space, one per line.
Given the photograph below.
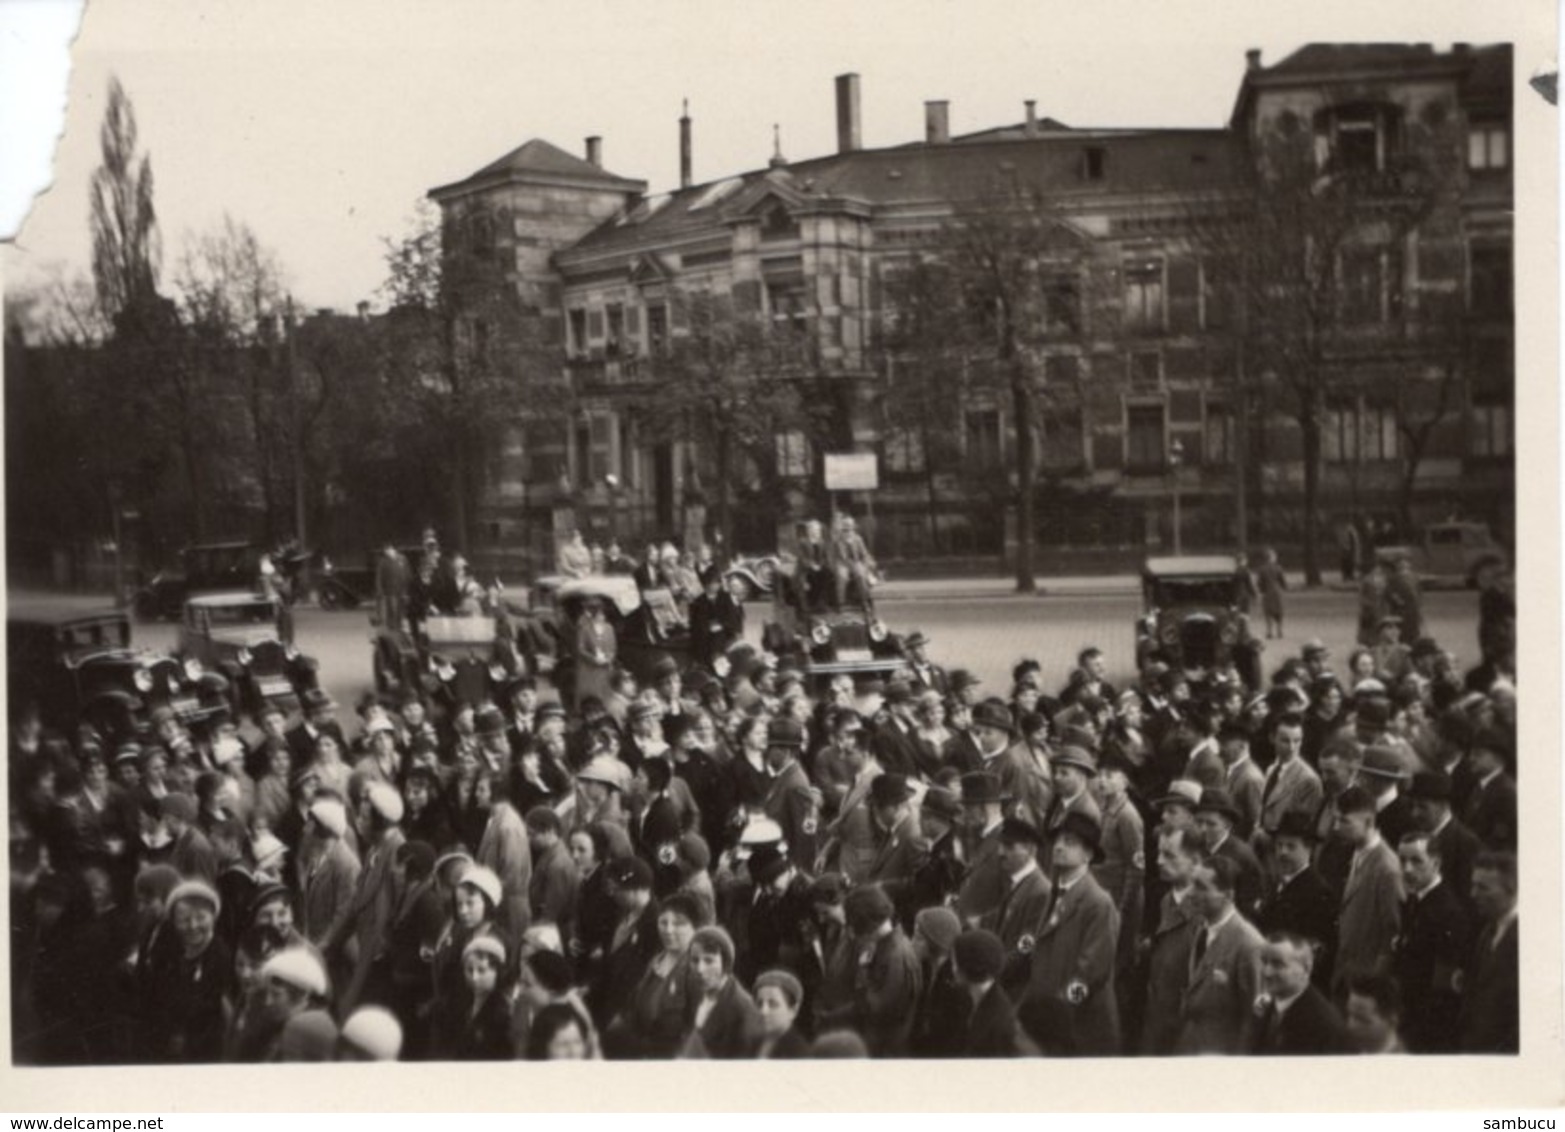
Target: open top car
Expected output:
[824,636]
[81,666]
[647,626]
[240,635]
[1450,554]
[462,658]
[1193,618]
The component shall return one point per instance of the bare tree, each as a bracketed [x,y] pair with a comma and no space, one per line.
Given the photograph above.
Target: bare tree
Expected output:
[126,249]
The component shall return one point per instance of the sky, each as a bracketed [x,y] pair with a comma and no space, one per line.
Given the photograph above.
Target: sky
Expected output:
[320,125]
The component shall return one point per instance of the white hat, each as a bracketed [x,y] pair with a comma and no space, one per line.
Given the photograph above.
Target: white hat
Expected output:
[378,721]
[195,890]
[385,801]
[265,847]
[226,750]
[607,770]
[375,1031]
[331,815]
[448,858]
[299,969]
[484,880]
[486,945]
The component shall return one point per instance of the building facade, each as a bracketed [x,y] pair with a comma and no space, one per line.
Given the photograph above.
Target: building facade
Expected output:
[1160,388]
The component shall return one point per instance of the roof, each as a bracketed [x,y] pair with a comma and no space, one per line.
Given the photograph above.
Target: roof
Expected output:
[1137,162]
[1331,63]
[235,597]
[44,614]
[537,159]
[1192,564]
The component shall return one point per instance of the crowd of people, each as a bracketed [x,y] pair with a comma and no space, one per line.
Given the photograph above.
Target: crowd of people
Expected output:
[748,866]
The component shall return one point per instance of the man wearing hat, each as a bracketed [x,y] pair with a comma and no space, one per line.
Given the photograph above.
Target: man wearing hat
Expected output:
[877,837]
[1021,911]
[887,979]
[984,886]
[1122,871]
[667,688]
[191,853]
[780,906]
[1382,773]
[924,674]
[1290,785]
[320,716]
[1073,958]
[1300,901]
[1243,780]
[1001,754]
[1450,840]
[896,741]
[1215,817]
[1371,911]
[1392,658]
[1225,966]
[520,702]
[791,801]
[1432,948]
[716,619]
[1074,769]
[328,870]
[644,735]
[937,879]
[1490,810]
[635,940]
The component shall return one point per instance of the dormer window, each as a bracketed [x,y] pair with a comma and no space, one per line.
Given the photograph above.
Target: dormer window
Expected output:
[776,223]
[1357,138]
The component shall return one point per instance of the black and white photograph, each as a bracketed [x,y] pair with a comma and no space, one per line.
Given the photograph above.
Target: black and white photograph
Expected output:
[698,532]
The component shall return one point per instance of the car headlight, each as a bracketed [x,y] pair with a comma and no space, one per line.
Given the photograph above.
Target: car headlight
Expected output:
[193,669]
[721,667]
[877,630]
[1170,634]
[290,652]
[497,672]
[1229,633]
[820,633]
[245,656]
[142,680]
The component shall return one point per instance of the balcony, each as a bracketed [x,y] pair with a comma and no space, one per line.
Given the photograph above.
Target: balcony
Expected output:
[595,372]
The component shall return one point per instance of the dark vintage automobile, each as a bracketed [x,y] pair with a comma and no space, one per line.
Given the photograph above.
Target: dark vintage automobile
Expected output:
[825,637]
[240,635]
[1193,618]
[457,659]
[647,626]
[80,666]
[208,567]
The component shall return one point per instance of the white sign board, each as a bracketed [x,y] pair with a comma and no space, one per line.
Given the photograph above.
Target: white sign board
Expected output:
[852,471]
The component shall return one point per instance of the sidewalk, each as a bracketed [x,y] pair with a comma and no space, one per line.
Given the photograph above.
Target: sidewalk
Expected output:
[964,589]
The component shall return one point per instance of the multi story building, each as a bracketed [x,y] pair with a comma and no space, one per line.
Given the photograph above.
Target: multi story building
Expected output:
[1151,383]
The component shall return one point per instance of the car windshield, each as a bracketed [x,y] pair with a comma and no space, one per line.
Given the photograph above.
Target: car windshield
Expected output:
[1193,591]
[92,636]
[251,613]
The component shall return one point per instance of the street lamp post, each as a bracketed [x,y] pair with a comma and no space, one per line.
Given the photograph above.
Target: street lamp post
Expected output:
[1176,456]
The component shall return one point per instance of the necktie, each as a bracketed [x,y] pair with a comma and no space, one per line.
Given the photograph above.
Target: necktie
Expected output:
[1272,776]
[1201,940]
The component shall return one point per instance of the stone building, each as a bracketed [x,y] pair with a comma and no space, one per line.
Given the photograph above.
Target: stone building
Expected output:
[1149,388]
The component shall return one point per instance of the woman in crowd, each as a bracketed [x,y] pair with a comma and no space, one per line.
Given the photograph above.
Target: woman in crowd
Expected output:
[662,1007]
[726,1024]
[559,1034]
[481,1012]
[190,982]
[778,998]
[930,731]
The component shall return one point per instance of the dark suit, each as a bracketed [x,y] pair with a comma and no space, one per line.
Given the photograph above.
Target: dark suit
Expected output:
[791,804]
[896,748]
[1249,884]
[1395,821]
[715,623]
[929,678]
[1457,846]
[1435,943]
[984,886]
[1491,994]
[991,1029]
[1168,973]
[1371,917]
[1490,812]
[1073,963]
[1306,906]
[1310,1025]
[1017,922]
[301,741]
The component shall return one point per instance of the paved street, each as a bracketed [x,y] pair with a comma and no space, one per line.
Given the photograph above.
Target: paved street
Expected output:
[987,633]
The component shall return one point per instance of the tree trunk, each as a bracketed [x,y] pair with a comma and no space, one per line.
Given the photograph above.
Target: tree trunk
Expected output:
[934,496]
[725,529]
[1021,397]
[1310,428]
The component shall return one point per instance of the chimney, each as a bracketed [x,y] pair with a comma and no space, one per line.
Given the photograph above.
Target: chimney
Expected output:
[364,309]
[595,151]
[684,146]
[937,122]
[1030,130]
[848,139]
[1252,59]
[1461,49]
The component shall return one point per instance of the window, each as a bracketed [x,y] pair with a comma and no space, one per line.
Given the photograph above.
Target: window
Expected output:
[1062,369]
[793,454]
[1061,306]
[785,302]
[1062,441]
[983,438]
[1377,433]
[657,329]
[1144,295]
[1488,147]
[594,449]
[904,450]
[614,335]
[1370,285]
[1219,438]
[577,324]
[777,224]
[1489,288]
[1146,369]
[1491,430]
[1093,160]
[1144,435]
[1339,435]
[1356,139]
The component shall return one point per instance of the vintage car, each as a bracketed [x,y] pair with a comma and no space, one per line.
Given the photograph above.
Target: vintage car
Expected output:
[647,626]
[1193,619]
[1450,554]
[240,635]
[465,658]
[823,636]
[80,666]
[208,567]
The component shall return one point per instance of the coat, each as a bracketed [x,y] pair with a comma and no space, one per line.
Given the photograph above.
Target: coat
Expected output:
[1017,921]
[505,849]
[887,979]
[1219,1004]
[1371,917]
[1122,872]
[1250,882]
[1245,784]
[659,1016]
[623,964]
[1490,812]
[1458,846]
[984,885]
[551,892]
[1306,906]
[940,1021]
[1491,993]
[1168,974]
[791,804]
[732,1028]
[991,1028]
[1310,1026]
[1073,962]
[1432,949]
[1288,787]
[367,922]
[328,884]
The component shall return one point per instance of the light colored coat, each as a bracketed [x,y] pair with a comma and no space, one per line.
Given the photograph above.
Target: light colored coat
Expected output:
[1073,962]
[1371,916]
[505,849]
[1297,788]
[1219,1003]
